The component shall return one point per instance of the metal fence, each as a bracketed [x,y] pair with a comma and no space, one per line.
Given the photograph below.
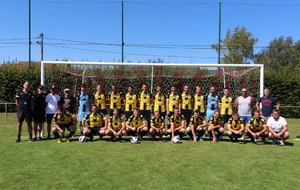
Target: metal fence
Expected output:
[172,31]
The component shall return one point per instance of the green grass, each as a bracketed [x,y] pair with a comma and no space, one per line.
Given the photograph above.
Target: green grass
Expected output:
[148,165]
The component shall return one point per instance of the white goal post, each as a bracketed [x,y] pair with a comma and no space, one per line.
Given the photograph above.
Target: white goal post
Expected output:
[68,68]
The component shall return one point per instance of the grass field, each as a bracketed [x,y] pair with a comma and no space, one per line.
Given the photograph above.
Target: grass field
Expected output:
[148,165]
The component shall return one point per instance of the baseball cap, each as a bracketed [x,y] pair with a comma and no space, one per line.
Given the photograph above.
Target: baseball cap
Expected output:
[53,88]
[41,87]
[67,90]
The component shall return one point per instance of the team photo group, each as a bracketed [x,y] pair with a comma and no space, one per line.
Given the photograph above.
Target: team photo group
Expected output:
[186,113]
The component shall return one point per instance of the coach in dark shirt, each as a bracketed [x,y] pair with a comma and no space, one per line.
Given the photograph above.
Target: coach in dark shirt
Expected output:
[24,101]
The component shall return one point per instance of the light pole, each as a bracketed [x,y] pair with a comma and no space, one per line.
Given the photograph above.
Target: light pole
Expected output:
[41,43]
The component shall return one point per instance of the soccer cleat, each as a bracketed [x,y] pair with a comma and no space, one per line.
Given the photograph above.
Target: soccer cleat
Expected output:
[273,143]
[59,140]
[18,140]
[200,139]
[35,139]
[91,138]
[31,140]
[39,138]
[161,138]
[220,138]
[153,139]
[282,144]
[68,140]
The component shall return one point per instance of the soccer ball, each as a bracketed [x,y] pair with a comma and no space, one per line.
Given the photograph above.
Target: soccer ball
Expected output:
[176,139]
[82,138]
[134,140]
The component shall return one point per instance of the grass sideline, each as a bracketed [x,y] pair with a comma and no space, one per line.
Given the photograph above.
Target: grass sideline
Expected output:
[148,165]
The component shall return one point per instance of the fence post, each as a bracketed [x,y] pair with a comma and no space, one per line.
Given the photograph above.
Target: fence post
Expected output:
[5,111]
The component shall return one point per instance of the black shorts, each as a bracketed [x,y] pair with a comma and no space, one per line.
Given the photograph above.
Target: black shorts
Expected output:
[171,113]
[49,118]
[163,115]
[104,111]
[226,118]
[63,126]
[39,116]
[146,114]
[187,113]
[128,114]
[95,130]
[25,114]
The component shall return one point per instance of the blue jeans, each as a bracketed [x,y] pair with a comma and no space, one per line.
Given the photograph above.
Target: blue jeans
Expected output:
[246,118]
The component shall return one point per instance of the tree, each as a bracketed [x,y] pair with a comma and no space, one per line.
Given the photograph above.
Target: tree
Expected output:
[237,47]
[281,52]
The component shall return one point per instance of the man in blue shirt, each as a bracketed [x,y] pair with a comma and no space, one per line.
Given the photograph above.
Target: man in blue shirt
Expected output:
[268,104]
[212,100]
[84,101]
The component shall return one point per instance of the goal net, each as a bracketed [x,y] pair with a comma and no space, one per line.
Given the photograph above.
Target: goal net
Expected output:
[71,75]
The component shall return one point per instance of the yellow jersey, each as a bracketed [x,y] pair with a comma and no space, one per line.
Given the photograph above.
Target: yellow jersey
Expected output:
[176,120]
[136,121]
[96,120]
[116,122]
[174,100]
[115,99]
[226,105]
[99,100]
[213,121]
[145,100]
[130,101]
[257,125]
[63,119]
[235,124]
[157,122]
[186,101]
[199,103]
[195,122]
[159,103]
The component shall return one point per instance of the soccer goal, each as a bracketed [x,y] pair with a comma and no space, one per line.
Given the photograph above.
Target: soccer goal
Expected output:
[65,74]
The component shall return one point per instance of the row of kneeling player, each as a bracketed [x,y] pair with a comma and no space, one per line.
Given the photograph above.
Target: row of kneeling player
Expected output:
[116,126]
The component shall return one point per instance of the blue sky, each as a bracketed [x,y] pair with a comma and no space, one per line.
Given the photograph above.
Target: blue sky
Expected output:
[176,31]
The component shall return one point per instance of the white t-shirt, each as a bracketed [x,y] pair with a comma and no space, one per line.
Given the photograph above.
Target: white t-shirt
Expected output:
[52,103]
[277,125]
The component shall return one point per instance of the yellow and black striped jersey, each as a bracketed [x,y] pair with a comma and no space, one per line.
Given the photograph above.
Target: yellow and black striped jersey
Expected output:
[174,100]
[136,121]
[99,100]
[199,103]
[145,99]
[257,125]
[177,120]
[115,99]
[159,103]
[186,101]
[157,122]
[116,122]
[65,118]
[96,120]
[130,101]
[226,105]
[195,122]
[214,121]
[235,124]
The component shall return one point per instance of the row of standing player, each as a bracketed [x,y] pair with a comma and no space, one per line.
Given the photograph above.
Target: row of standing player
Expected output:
[185,102]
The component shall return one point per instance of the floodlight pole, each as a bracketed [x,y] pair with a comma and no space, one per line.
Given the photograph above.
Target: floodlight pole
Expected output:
[219,48]
[29,35]
[122,54]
